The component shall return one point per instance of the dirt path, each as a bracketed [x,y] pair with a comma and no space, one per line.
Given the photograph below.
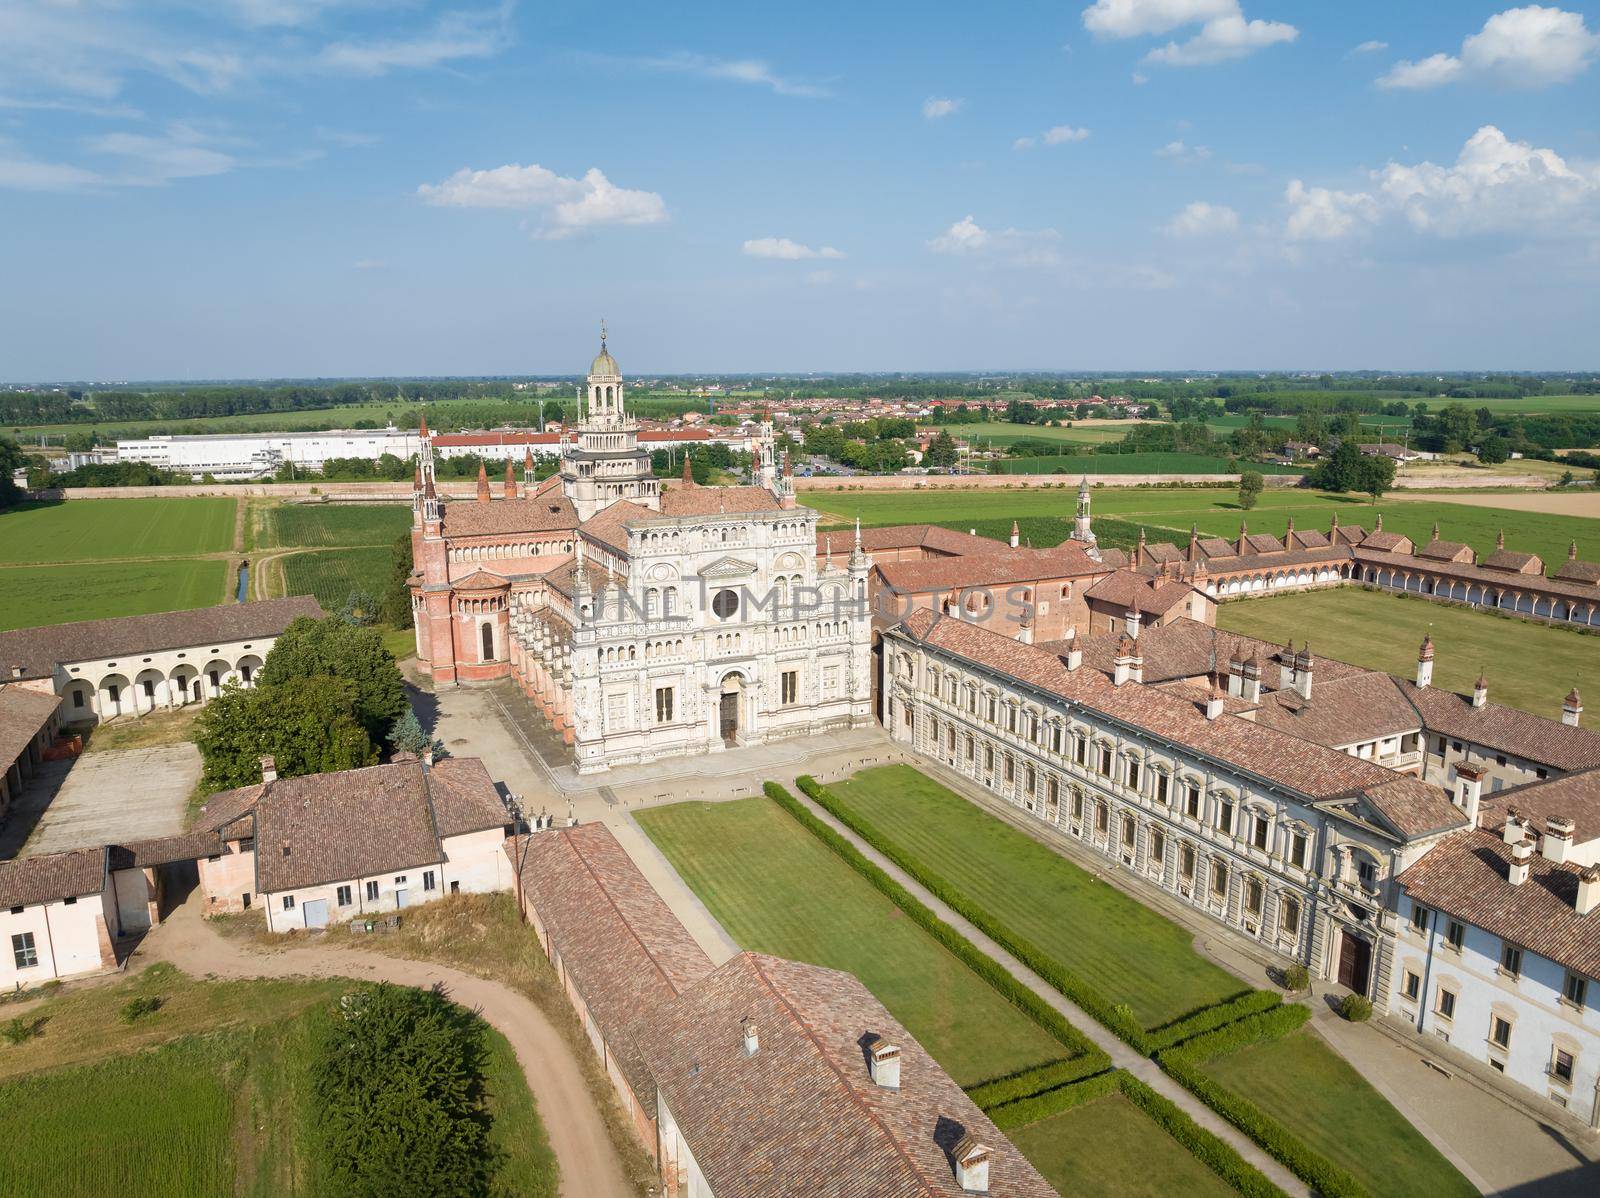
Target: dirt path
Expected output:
[589,1167]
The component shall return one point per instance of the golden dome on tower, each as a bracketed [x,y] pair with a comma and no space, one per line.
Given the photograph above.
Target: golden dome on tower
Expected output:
[604,364]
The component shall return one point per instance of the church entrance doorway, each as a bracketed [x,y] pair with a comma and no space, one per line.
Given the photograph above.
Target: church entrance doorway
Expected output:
[1355,962]
[728,713]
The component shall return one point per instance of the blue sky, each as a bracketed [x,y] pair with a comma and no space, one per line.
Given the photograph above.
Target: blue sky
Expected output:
[270,188]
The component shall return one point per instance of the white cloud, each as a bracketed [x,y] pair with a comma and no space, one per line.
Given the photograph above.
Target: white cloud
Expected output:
[1370,47]
[1023,143]
[566,205]
[1496,185]
[733,70]
[1201,219]
[1060,134]
[180,153]
[784,249]
[1225,33]
[1014,247]
[455,35]
[1526,47]
[18,172]
[1320,214]
[1140,79]
[1180,151]
[935,107]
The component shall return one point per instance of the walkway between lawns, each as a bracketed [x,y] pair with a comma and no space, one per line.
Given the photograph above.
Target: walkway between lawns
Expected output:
[588,1163]
[1121,1054]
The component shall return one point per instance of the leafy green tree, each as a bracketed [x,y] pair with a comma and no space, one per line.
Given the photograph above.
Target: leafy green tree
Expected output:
[307,729]
[397,1080]
[395,607]
[1250,487]
[360,607]
[12,459]
[941,450]
[1493,450]
[333,647]
[1375,475]
[1340,470]
[406,734]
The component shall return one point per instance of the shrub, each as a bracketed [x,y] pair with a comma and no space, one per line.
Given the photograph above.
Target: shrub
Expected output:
[1296,978]
[136,1009]
[1052,1102]
[23,1027]
[1211,1150]
[1357,1008]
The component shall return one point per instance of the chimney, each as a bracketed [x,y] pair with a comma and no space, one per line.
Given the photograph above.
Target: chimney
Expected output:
[1572,709]
[1521,861]
[886,1065]
[1252,680]
[427,757]
[1236,675]
[1132,618]
[269,770]
[972,1165]
[1588,890]
[1512,831]
[1425,663]
[527,466]
[1471,793]
[1139,549]
[1558,833]
[1122,664]
[752,1039]
[1016,535]
[483,484]
[511,481]
[1302,683]
[1213,703]
[1074,655]
[1288,534]
[1480,691]
[1286,660]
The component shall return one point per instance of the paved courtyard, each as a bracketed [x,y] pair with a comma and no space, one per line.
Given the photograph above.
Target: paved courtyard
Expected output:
[103,798]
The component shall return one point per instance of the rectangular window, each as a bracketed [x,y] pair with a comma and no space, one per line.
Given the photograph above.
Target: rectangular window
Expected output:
[1511,960]
[1253,897]
[1191,801]
[1011,768]
[1291,917]
[1080,750]
[342,896]
[372,892]
[1219,879]
[1500,1031]
[790,683]
[1186,862]
[1011,719]
[1158,850]
[1412,986]
[399,879]
[993,708]
[1162,782]
[288,902]
[1419,920]
[1561,1066]
[1367,873]
[427,880]
[1297,849]
[77,698]
[1259,831]
[1102,817]
[1055,738]
[1133,775]
[23,950]
[988,757]
[1105,761]
[664,697]
[1575,989]
[1077,804]
[1455,934]
[1225,817]
[1447,1003]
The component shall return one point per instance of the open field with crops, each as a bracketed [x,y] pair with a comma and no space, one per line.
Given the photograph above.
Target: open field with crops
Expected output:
[1169,513]
[999,434]
[331,574]
[1528,664]
[33,595]
[777,889]
[310,525]
[103,529]
[207,1095]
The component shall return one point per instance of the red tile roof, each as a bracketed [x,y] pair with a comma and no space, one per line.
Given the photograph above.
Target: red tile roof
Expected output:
[1000,568]
[23,715]
[1505,729]
[540,512]
[27,881]
[712,501]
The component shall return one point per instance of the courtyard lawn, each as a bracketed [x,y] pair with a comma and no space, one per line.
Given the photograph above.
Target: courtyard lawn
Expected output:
[1315,1093]
[1136,463]
[228,1063]
[313,525]
[1168,513]
[1528,665]
[31,595]
[1118,945]
[100,529]
[1109,1147]
[777,889]
[331,574]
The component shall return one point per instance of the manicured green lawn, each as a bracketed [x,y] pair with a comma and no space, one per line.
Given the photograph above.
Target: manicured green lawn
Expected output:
[98,529]
[289,525]
[1169,513]
[1136,463]
[1314,1092]
[1111,1149]
[1117,944]
[1528,665]
[31,595]
[776,889]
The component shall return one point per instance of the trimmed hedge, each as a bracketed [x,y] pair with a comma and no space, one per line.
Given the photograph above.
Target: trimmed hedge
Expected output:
[1251,1002]
[1026,1083]
[1183,1063]
[1212,1151]
[1024,1111]
[1085,1055]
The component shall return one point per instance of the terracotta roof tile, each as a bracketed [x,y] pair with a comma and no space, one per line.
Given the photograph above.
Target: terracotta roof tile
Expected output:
[1495,726]
[540,512]
[712,501]
[989,569]
[1574,796]
[23,715]
[52,877]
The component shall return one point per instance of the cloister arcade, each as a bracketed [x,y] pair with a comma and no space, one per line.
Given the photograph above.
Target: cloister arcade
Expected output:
[1538,604]
[112,694]
[1267,580]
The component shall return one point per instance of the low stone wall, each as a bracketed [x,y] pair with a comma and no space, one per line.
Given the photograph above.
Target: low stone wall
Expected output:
[1002,482]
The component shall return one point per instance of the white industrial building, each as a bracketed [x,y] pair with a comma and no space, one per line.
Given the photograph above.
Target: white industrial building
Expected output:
[238,456]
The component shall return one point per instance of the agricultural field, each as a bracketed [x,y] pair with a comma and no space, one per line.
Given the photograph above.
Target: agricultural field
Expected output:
[1134,463]
[777,889]
[1001,434]
[33,595]
[1317,1095]
[1063,910]
[1528,664]
[103,529]
[229,1062]
[1168,513]
[315,525]
[1110,1148]
[331,574]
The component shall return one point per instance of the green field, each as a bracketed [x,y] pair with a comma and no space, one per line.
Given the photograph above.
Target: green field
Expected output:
[1168,514]
[101,529]
[996,433]
[288,525]
[1110,1148]
[32,595]
[331,574]
[1135,463]
[1529,665]
[1315,1093]
[777,889]
[1045,899]
[207,1096]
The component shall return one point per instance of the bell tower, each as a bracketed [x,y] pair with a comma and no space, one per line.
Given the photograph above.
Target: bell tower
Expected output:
[604,463]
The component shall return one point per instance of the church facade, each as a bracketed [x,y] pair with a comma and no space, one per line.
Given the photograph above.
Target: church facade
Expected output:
[644,620]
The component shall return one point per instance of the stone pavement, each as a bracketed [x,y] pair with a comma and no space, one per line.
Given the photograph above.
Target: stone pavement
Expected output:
[102,798]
